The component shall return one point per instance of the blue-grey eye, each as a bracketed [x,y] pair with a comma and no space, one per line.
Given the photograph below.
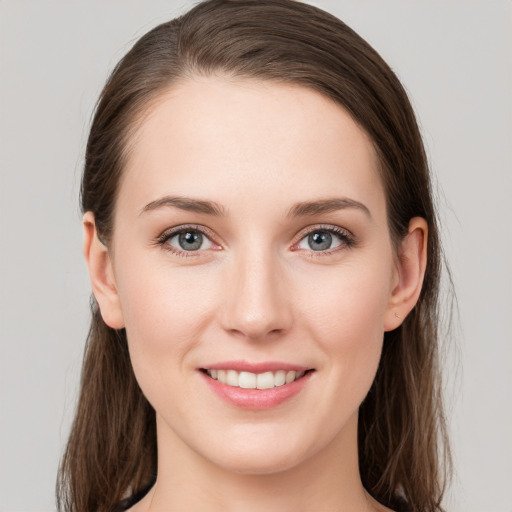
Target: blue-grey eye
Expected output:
[320,240]
[190,240]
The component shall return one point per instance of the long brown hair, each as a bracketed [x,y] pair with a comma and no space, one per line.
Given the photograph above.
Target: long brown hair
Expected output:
[403,450]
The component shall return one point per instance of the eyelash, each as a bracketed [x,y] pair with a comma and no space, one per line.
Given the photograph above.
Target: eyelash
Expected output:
[169,234]
[347,239]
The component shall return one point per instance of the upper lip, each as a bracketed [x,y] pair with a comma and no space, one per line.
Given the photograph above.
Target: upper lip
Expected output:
[262,367]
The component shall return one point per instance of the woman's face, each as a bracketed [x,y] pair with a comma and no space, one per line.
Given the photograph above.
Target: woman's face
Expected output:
[251,242]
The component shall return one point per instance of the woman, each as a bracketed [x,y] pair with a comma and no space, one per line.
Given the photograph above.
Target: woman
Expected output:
[264,257]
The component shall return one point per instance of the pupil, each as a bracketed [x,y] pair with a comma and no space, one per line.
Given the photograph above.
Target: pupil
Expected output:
[190,241]
[320,240]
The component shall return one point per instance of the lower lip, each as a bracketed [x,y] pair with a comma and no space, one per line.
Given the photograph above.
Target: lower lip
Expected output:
[256,399]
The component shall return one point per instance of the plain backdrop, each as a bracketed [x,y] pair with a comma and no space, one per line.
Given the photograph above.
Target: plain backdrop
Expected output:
[455,59]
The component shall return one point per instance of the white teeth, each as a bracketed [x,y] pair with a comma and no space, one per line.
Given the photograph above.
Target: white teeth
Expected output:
[265,380]
[279,378]
[290,377]
[248,380]
[232,378]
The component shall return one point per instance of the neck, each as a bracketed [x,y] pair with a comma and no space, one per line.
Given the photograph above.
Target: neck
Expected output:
[329,480]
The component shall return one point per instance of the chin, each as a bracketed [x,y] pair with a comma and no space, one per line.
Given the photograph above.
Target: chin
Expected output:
[266,457]
[259,465]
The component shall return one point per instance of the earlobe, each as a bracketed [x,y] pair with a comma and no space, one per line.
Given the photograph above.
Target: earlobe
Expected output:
[411,265]
[101,273]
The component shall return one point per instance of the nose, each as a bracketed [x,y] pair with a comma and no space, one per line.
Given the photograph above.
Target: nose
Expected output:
[256,298]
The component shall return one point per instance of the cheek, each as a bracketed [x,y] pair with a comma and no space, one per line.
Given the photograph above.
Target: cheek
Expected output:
[349,301]
[346,318]
[165,310]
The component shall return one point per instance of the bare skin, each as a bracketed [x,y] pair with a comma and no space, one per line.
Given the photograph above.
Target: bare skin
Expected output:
[255,288]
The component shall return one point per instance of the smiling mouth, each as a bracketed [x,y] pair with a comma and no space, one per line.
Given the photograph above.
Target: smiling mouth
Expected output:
[249,380]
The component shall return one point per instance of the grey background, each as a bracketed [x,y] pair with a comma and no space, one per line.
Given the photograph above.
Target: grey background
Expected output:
[455,58]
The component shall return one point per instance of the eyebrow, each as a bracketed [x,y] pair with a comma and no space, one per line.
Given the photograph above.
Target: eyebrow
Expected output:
[302,209]
[186,203]
[310,208]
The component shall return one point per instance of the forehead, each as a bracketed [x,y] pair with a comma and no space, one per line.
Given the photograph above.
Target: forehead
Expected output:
[236,141]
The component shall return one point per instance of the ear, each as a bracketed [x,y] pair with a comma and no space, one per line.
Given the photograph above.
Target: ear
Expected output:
[411,262]
[101,274]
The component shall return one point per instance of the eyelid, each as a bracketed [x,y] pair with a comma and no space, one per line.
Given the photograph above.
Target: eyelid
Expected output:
[347,237]
[169,233]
